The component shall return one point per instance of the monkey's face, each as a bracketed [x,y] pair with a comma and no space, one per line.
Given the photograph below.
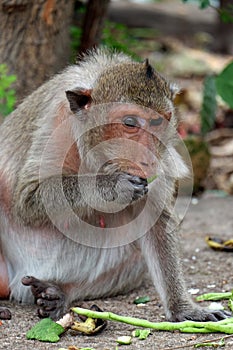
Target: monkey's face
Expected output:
[124,119]
[124,137]
[137,134]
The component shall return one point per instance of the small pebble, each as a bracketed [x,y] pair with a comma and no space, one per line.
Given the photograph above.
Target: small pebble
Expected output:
[194,201]
[193,291]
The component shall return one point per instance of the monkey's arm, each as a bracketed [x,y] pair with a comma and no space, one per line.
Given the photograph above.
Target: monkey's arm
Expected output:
[37,202]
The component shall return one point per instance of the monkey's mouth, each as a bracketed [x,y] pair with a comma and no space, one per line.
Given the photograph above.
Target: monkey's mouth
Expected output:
[136,172]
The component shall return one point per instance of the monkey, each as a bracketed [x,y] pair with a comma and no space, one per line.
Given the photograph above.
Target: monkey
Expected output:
[79,217]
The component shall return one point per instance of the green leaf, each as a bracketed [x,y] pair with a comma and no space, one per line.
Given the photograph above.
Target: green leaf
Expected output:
[214,296]
[7,95]
[209,105]
[230,304]
[142,300]
[152,178]
[202,3]
[226,13]
[46,330]
[224,84]
[141,333]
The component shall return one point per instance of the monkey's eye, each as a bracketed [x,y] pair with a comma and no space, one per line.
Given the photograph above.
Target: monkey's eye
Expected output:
[156,122]
[131,121]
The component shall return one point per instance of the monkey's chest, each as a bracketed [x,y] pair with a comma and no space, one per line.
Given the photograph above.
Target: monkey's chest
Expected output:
[106,220]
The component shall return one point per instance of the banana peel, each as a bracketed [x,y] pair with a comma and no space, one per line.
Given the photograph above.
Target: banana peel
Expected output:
[219,244]
[90,326]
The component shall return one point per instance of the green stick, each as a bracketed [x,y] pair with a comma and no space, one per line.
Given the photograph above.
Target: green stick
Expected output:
[224,326]
[214,296]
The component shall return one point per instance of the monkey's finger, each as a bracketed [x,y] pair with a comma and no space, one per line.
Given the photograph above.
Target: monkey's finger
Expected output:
[139,192]
[51,293]
[42,313]
[139,189]
[136,180]
[47,305]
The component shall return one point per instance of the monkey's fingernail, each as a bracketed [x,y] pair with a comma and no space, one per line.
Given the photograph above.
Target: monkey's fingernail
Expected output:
[42,313]
[45,296]
[40,302]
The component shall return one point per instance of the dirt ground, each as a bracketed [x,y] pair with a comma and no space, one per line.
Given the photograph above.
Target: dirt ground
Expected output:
[205,269]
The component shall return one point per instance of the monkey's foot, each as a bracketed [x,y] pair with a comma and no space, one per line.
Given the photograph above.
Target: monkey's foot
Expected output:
[48,296]
[199,314]
[5,314]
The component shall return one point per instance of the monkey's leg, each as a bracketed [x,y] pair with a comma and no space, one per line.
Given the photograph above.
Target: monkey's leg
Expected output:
[5,314]
[48,296]
[161,253]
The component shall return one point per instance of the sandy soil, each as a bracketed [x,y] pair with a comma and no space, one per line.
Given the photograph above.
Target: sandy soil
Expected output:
[205,269]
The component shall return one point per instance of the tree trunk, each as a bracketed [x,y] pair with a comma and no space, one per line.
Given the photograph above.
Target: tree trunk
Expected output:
[93,23]
[34,37]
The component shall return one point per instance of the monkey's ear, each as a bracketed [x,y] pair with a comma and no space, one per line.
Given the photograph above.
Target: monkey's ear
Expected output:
[149,68]
[79,99]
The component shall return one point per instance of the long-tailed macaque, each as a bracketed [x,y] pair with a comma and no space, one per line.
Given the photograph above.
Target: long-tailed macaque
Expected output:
[78,217]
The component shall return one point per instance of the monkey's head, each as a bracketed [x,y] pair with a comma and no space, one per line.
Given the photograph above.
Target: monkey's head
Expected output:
[132,103]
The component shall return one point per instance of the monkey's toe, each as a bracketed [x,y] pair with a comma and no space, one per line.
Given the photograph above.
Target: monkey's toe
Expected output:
[37,286]
[47,305]
[52,293]
[51,308]
[29,280]
[5,313]
[199,314]
[51,303]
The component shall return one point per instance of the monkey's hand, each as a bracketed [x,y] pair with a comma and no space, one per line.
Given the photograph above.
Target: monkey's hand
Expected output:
[48,296]
[121,187]
[196,313]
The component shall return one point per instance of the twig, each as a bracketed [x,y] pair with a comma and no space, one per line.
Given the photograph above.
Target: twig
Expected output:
[193,344]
